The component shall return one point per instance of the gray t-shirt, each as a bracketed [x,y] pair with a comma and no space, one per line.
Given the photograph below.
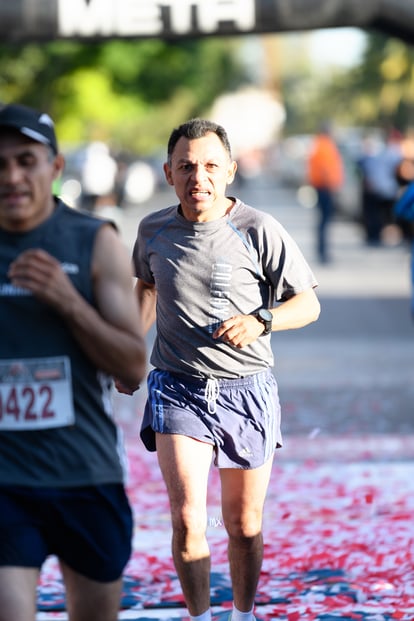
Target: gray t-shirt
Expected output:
[206,272]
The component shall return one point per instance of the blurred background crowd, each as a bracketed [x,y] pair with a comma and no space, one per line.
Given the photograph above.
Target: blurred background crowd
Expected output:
[116,101]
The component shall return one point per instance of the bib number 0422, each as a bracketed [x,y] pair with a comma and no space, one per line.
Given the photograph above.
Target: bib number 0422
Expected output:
[35,394]
[26,403]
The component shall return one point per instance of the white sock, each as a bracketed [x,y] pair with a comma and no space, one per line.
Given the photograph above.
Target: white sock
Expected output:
[206,616]
[237,615]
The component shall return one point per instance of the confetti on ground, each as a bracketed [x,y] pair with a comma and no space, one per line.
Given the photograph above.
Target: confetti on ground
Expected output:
[339,545]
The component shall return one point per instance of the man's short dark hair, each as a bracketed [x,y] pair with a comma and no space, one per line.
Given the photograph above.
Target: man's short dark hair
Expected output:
[197,128]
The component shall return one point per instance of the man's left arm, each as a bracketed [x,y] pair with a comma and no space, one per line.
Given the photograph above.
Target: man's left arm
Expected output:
[298,311]
[111,334]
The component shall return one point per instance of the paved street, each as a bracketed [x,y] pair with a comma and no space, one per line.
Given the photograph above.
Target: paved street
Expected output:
[338,518]
[346,381]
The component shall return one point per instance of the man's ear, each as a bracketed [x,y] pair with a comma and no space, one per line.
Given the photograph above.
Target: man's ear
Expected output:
[59,165]
[167,173]
[231,173]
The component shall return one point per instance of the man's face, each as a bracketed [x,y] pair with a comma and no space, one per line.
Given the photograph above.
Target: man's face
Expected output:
[200,171]
[27,170]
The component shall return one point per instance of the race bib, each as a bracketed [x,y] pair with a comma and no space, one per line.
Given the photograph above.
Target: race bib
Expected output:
[36,393]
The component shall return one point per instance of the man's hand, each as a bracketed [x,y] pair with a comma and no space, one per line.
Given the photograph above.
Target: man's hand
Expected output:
[239,331]
[123,389]
[39,272]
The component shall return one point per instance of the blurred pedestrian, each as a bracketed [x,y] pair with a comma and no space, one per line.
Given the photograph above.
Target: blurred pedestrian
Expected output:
[326,175]
[378,168]
[404,211]
[98,176]
[68,322]
[218,276]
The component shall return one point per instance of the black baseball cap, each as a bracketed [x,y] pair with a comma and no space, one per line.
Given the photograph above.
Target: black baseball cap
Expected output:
[31,123]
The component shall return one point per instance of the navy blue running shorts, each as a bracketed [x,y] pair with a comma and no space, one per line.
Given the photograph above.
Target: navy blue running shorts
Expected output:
[89,528]
[239,417]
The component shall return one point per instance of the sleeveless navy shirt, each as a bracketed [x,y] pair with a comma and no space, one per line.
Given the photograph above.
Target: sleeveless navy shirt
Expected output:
[56,420]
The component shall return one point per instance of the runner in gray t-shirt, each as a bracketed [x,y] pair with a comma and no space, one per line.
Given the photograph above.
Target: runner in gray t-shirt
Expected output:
[218,276]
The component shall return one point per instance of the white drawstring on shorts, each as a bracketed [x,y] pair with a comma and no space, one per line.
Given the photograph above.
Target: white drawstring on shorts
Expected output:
[211,394]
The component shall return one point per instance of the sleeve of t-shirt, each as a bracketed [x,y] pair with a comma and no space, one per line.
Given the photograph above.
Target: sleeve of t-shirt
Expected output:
[140,256]
[284,263]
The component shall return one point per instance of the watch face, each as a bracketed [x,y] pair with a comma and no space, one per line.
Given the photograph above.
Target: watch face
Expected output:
[266,317]
[265,314]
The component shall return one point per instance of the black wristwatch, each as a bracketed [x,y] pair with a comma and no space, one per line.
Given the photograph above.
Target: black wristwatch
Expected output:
[266,318]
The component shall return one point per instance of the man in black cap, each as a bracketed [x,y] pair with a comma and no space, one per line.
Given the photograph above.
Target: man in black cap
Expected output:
[35,125]
[68,323]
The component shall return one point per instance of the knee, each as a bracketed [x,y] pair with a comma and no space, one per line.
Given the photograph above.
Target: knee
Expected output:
[244,527]
[189,522]
[245,539]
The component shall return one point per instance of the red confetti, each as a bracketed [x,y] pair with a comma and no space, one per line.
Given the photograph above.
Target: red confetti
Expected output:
[339,540]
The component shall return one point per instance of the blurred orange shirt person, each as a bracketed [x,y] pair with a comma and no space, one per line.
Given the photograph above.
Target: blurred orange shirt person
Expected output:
[325,167]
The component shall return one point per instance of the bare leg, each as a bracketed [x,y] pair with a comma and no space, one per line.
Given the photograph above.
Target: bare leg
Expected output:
[88,599]
[18,593]
[243,496]
[185,464]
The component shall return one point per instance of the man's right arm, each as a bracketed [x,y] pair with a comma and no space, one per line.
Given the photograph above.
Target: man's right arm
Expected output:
[147,300]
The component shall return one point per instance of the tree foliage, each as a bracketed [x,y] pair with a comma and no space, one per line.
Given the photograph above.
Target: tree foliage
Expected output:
[379,91]
[129,93]
[384,83]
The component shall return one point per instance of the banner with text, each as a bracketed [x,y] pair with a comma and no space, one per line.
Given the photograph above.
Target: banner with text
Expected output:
[174,19]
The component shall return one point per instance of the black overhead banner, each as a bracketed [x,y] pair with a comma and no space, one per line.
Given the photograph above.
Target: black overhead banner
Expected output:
[172,19]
